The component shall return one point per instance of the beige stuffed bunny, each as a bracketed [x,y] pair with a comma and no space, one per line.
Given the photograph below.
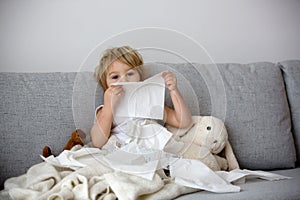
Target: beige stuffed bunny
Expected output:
[205,140]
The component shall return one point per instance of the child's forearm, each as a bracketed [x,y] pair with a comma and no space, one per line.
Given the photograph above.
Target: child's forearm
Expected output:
[182,112]
[100,131]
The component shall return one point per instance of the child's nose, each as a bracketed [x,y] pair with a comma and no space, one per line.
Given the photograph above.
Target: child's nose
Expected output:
[123,79]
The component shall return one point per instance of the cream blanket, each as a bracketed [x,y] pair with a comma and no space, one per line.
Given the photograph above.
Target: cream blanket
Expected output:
[85,173]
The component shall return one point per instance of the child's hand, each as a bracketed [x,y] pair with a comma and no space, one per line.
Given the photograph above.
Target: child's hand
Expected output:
[112,96]
[170,80]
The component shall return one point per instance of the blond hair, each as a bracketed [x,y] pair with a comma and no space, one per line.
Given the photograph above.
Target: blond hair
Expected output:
[124,54]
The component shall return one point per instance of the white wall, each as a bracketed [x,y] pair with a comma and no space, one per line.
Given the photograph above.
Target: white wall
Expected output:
[57,35]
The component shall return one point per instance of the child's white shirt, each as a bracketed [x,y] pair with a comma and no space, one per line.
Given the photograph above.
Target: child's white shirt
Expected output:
[146,132]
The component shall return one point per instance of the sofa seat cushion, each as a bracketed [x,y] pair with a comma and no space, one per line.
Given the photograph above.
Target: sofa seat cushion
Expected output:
[256,189]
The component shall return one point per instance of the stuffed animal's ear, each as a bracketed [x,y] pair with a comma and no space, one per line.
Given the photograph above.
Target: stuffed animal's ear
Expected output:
[231,159]
[46,152]
[77,137]
[179,132]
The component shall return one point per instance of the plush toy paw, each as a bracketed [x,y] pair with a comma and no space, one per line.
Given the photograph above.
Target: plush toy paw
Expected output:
[222,162]
[77,138]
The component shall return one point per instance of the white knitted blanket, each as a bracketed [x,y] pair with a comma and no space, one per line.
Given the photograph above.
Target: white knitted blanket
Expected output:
[86,173]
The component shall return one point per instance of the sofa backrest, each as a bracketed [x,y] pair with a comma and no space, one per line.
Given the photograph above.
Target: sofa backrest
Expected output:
[251,100]
[291,75]
[39,109]
[35,111]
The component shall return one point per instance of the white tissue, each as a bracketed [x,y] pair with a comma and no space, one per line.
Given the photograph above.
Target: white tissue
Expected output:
[142,99]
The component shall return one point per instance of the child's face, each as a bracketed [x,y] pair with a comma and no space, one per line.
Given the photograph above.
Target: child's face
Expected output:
[120,72]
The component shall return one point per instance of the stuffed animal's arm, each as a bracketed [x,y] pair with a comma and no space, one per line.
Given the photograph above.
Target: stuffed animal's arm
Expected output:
[231,159]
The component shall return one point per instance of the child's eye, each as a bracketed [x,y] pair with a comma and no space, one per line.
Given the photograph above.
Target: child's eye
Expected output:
[114,77]
[130,73]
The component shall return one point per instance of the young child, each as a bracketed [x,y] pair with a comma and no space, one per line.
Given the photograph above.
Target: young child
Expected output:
[125,64]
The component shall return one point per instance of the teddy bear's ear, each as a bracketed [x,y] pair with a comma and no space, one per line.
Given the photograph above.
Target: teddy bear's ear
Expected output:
[77,137]
[230,157]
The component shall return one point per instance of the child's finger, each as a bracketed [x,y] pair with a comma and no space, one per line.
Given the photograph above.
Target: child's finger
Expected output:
[117,90]
[166,74]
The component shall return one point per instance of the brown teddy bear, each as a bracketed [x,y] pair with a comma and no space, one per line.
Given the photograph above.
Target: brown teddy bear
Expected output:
[77,137]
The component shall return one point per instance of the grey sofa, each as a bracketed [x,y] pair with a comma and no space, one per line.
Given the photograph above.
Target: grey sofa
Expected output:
[259,103]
